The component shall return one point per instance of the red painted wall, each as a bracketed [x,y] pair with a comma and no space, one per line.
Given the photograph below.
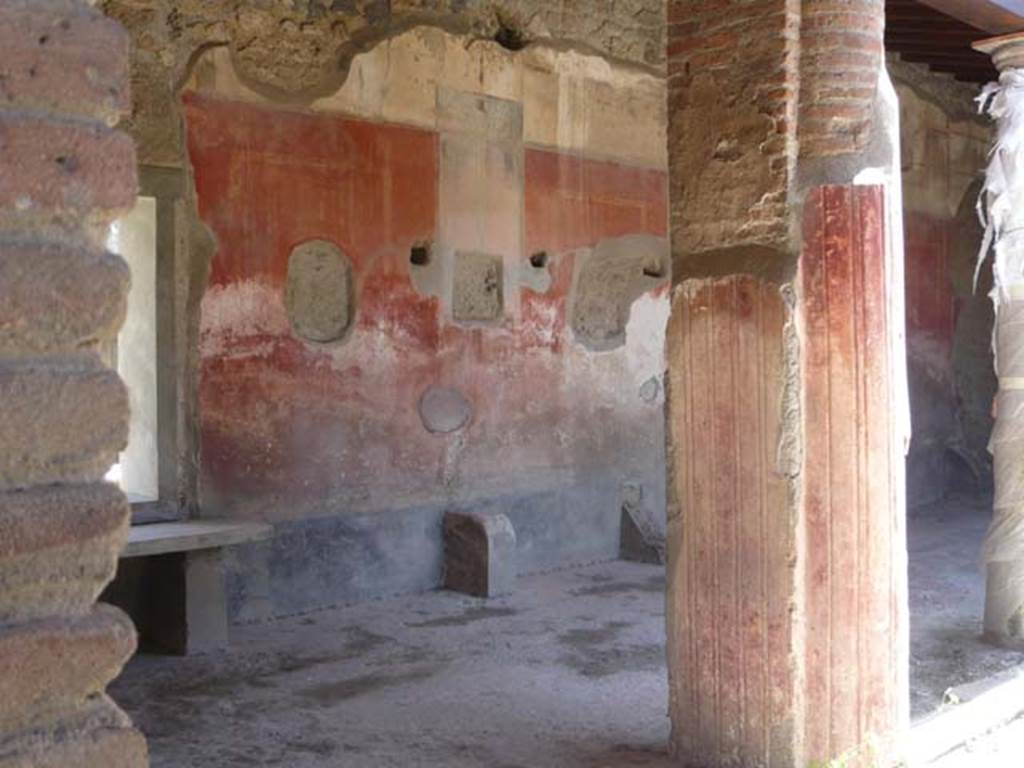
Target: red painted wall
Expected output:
[931,304]
[571,202]
[950,366]
[289,428]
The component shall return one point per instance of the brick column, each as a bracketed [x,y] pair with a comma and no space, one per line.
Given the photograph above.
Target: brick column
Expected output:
[64,174]
[787,609]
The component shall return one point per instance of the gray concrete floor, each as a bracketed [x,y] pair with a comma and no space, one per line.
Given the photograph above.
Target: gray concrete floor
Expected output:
[947,601]
[568,672]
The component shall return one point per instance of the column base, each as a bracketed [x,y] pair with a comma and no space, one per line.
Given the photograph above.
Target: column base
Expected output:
[1004,605]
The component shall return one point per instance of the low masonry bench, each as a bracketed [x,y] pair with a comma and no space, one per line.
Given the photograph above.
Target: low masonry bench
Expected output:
[170,580]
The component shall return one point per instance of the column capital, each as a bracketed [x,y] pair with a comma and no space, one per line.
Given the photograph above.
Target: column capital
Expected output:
[1007,51]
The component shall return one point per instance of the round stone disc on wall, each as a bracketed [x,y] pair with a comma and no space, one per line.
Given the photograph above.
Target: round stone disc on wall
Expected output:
[318,294]
[444,410]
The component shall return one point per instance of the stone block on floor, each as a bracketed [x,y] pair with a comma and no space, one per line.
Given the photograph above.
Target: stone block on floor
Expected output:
[641,539]
[479,554]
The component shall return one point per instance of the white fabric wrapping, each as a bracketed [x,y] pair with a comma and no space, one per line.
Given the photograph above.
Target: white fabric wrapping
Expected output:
[999,206]
[1005,540]
[1002,211]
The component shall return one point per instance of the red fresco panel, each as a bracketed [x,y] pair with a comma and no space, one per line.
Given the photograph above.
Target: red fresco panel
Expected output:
[285,420]
[931,304]
[276,412]
[574,202]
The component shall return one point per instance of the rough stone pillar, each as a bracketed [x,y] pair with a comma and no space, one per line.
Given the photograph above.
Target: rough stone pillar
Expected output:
[1004,197]
[787,607]
[64,174]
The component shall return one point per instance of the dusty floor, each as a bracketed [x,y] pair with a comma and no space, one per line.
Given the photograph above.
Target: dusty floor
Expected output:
[568,672]
[947,598]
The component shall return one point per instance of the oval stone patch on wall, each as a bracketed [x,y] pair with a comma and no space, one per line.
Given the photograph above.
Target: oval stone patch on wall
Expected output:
[318,293]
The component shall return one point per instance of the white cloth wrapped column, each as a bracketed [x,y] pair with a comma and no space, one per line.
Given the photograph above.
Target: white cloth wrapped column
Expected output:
[1004,546]
[1002,207]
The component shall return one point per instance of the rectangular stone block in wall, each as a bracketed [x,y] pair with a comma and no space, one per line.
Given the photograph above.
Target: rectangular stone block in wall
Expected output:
[481,200]
[477,287]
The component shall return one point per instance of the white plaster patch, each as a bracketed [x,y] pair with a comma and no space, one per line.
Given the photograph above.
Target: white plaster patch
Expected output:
[543,327]
[376,351]
[645,336]
[615,377]
[931,354]
[231,312]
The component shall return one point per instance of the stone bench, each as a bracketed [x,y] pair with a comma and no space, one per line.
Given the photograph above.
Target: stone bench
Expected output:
[170,580]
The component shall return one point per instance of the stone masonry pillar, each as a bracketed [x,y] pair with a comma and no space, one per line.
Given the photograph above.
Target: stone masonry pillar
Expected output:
[65,173]
[787,607]
[1004,198]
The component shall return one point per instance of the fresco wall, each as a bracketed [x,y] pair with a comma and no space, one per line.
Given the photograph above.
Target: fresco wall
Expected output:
[949,322]
[449,297]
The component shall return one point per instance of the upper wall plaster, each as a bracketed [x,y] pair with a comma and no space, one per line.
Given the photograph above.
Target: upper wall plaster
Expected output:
[301,50]
[571,101]
[945,143]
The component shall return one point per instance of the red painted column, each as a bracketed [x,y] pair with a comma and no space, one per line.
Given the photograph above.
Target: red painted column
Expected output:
[731,537]
[787,604]
[788,608]
[856,645]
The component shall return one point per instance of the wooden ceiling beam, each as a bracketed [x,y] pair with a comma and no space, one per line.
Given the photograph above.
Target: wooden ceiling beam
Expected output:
[999,17]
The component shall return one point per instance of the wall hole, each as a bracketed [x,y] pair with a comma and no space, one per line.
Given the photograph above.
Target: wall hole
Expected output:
[539,260]
[419,255]
[654,269]
[509,36]
[68,163]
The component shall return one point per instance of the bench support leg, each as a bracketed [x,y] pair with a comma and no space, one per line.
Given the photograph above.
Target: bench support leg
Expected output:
[177,601]
[206,606]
